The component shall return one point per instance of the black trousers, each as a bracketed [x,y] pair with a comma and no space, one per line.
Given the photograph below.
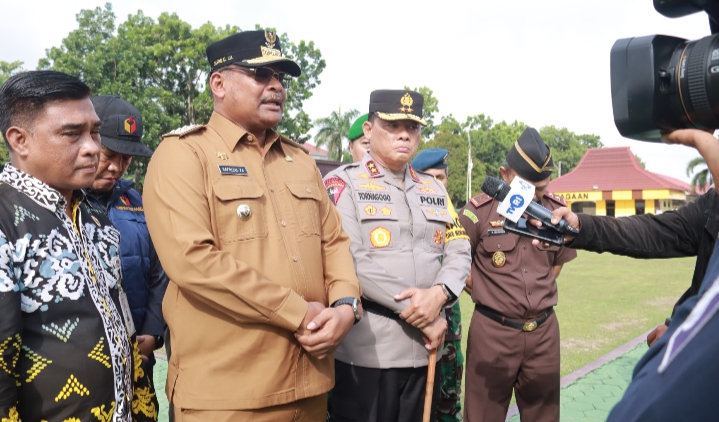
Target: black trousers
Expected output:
[380,395]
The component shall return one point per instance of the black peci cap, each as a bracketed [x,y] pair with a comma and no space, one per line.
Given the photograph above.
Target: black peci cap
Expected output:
[530,157]
[397,104]
[250,49]
[121,129]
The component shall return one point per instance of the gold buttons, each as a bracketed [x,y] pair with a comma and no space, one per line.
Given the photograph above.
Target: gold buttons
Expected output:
[308,190]
[294,258]
[288,158]
[284,223]
[250,138]
[244,212]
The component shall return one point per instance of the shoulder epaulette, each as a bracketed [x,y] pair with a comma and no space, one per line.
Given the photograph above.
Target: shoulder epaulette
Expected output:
[480,199]
[556,198]
[184,130]
[289,141]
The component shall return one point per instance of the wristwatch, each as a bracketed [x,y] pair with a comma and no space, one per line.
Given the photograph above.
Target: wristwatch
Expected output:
[450,296]
[351,301]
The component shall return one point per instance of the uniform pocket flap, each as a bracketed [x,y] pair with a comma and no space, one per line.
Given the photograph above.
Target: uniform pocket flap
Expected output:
[502,243]
[304,190]
[227,190]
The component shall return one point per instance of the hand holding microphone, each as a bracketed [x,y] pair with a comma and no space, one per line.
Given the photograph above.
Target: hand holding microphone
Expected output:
[497,189]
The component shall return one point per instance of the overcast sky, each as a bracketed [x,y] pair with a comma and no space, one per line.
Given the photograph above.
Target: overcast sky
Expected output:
[543,62]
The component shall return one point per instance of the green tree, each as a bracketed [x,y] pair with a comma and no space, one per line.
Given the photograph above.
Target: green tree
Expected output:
[491,141]
[430,109]
[7,69]
[161,67]
[702,178]
[567,147]
[332,131]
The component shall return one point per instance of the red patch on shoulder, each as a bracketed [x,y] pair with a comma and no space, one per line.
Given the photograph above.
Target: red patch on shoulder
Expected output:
[335,186]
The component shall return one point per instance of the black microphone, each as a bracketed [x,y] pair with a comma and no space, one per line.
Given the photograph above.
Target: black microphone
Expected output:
[498,190]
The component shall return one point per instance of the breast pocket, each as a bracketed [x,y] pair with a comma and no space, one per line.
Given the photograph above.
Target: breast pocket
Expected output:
[379,226]
[240,210]
[306,205]
[498,249]
[436,228]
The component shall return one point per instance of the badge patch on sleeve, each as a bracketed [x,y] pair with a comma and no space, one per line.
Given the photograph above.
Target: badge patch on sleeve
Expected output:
[438,237]
[704,310]
[380,237]
[469,214]
[454,230]
[335,186]
[233,170]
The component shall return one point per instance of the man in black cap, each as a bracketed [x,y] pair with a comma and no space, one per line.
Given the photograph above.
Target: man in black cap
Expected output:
[262,287]
[514,334]
[143,279]
[412,259]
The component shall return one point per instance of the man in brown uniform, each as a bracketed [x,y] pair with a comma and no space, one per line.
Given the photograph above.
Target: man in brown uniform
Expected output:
[253,248]
[514,335]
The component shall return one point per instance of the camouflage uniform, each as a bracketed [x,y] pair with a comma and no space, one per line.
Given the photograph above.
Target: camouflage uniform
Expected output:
[451,366]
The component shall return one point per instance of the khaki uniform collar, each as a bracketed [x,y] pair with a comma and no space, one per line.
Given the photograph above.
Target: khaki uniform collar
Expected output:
[232,133]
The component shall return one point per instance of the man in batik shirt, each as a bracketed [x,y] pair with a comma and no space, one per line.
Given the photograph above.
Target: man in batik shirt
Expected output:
[67,352]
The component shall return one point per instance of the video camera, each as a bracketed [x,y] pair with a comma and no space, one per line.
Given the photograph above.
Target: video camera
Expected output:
[662,83]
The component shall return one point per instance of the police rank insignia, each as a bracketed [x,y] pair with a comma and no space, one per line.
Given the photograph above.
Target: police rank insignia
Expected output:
[371,186]
[380,237]
[222,156]
[411,169]
[335,186]
[362,176]
[386,211]
[406,102]
[426,190]
[438,237]
[372,168]
[497,223]
[370,210]
[426,182]
[499,259]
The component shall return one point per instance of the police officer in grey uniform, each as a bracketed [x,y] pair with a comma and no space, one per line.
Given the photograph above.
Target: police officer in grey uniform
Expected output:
[412,257]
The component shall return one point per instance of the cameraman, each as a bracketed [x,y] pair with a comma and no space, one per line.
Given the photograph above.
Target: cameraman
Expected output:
[676,379]
[689,231]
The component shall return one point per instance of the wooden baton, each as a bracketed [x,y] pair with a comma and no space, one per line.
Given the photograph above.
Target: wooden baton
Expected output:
[430,386]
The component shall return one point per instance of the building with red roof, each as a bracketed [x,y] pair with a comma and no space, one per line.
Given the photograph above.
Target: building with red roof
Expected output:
[316,152]
[610,181]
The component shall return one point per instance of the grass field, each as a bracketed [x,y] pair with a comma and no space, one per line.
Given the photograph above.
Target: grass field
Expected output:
[606,300]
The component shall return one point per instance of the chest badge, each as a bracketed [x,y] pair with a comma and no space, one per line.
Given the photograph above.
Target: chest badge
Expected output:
[370,210]
[438,237]
[222,156]
[499,223]
[380,237]
[244,212]
[371,186]
[426,190]
[386,211]
[499,259]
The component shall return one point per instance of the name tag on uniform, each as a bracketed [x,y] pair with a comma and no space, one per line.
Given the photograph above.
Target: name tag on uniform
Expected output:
[496,232]
[126,315]
[233,170]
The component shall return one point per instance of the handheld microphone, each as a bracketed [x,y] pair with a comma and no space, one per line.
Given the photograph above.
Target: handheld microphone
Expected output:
[498,190]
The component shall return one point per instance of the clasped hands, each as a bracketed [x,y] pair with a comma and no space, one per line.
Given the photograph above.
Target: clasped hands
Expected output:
[423,312]
[323,329]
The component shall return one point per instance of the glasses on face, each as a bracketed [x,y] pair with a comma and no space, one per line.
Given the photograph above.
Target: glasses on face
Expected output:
[264,75]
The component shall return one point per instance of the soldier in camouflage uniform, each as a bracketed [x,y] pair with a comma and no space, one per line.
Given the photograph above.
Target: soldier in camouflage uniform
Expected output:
[434,161]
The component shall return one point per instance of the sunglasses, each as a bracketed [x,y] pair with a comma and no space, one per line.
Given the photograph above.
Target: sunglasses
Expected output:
[264,75]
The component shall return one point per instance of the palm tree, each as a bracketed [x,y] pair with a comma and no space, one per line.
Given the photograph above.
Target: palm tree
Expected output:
[701,179]
[333,130]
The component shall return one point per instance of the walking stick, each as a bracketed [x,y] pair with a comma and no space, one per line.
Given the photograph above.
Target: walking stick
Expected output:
[430,386]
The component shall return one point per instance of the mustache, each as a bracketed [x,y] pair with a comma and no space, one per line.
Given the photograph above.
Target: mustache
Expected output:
[274,97]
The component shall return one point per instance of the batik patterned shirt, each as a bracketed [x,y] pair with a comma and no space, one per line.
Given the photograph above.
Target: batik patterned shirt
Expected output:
[65,352]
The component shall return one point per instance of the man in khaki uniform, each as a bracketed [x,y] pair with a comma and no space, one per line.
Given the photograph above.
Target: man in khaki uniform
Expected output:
[412,258]
[513,338]
[262,286]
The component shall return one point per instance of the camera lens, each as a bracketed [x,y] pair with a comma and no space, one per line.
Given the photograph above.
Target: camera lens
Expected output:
[696,64]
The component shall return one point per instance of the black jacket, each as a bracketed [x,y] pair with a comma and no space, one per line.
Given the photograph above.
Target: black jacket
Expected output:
[689,231]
